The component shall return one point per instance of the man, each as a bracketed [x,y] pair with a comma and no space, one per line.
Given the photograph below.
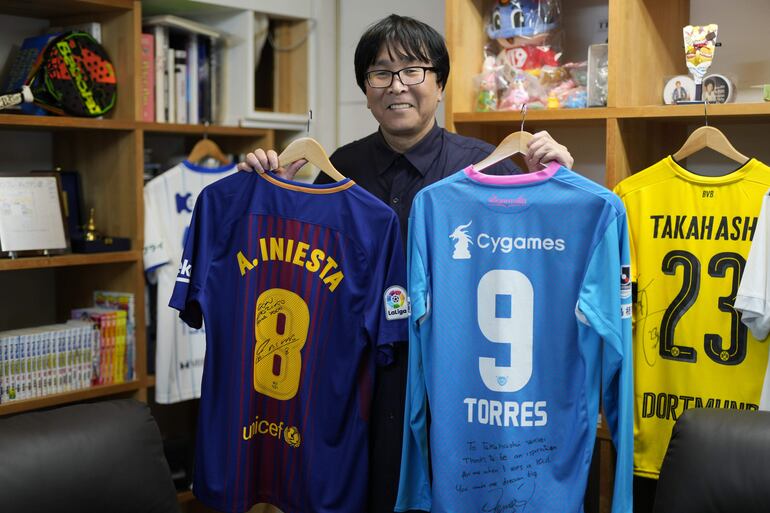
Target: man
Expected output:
[402,66]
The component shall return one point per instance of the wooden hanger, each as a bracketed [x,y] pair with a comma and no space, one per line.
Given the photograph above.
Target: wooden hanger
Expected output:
[514,143]
[309,149]
[709,137]
[207,148]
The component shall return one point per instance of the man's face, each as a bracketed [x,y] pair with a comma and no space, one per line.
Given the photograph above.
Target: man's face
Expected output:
[403,110]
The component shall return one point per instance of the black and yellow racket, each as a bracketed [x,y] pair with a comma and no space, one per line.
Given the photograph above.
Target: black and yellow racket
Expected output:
[73,75]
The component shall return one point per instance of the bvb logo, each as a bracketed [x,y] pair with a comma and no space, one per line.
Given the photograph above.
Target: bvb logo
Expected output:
[724,356]
[292,437]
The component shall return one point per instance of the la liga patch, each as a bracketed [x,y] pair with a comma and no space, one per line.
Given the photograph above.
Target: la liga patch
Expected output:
[396,303]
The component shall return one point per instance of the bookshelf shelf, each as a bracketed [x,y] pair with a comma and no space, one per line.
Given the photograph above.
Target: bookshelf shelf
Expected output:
[534,115]
[59,123]
[69,397]
[743,112]
[55,8]
[70,260]
[212,130]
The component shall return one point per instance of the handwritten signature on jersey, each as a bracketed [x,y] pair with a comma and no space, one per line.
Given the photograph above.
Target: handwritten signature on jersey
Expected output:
[648,323]
[514,505]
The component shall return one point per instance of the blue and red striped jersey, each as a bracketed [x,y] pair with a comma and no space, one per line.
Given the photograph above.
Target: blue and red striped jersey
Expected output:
[302,288]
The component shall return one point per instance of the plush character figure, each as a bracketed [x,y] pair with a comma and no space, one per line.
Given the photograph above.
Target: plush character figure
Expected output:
[522,28]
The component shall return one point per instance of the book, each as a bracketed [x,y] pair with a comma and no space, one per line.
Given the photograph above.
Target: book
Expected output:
[180,83]
[160,35]
[170,86]
[122,301]
[193,100]
[148,77]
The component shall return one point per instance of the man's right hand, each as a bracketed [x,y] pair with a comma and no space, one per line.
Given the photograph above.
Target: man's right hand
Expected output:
[260,161]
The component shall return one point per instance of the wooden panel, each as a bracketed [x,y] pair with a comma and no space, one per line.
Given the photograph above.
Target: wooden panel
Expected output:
[60,123]
[211,130]
[68,397]
[44,262]
[616,158]
[31,301]
[111,177]
[532,115]
[645,46]
[120,34]
[606,475]
[465,37]
[58,8]
[291,65]
[738,112]
[635,144]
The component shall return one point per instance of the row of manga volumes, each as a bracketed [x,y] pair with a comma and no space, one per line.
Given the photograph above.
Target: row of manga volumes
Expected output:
[95,347]
[46,360]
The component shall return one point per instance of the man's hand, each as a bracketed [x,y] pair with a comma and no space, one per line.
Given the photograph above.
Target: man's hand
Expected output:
[544,149]
[261,161]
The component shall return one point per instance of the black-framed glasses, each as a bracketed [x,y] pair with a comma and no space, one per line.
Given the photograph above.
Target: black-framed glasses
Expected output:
[412,75]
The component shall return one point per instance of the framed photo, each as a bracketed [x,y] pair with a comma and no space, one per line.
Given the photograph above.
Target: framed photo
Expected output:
[679,89]
[31,215]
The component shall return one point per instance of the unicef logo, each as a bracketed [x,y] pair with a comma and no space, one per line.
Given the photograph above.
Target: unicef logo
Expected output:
[396,299]
[292,437]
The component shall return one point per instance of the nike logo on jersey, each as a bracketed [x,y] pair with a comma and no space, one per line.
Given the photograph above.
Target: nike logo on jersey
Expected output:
[183,203]
[703,227]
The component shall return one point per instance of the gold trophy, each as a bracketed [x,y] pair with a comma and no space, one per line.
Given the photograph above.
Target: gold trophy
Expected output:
[90,232]
[94,241]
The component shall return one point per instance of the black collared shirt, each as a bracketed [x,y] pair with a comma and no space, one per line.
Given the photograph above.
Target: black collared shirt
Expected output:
[395,178]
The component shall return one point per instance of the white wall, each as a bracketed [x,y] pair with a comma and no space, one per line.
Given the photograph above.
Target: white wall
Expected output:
[354,119]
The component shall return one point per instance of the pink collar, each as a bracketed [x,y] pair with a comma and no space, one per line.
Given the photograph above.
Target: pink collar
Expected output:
[521,179]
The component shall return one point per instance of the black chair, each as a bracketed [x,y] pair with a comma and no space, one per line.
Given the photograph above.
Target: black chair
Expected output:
[718,461]
[86,458]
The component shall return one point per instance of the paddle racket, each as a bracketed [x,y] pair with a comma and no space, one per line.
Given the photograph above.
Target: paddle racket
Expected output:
[72,75]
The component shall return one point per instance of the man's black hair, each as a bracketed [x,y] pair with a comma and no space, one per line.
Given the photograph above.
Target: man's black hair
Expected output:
[405,38]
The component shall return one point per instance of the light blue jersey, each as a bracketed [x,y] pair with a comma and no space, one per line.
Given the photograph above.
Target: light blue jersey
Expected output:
[521,314]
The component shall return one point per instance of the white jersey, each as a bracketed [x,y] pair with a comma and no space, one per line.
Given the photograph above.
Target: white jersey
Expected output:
[753,297]
[168,204]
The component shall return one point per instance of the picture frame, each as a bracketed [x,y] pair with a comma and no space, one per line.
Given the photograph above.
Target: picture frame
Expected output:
[31,215]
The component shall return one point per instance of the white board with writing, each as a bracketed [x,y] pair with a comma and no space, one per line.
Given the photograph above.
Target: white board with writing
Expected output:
[30,214]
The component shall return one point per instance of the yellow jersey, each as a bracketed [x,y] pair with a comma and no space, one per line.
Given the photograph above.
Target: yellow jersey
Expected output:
[690,236]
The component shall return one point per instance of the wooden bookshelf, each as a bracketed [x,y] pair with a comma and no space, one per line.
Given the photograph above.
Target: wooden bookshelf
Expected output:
[108,153]
[69,397]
